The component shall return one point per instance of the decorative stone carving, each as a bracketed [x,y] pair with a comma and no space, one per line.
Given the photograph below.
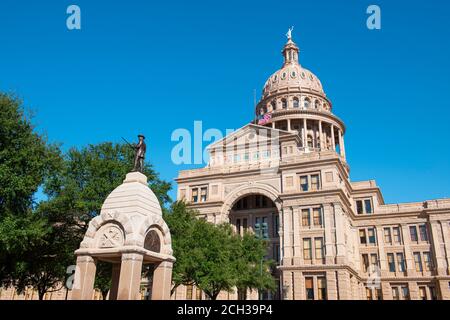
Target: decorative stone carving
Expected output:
[110,237]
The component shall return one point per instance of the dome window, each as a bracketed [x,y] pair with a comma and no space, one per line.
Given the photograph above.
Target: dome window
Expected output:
[307,103]
[296,103]
[317,104]
[284,103]
[274,105]
[293,74]
[283,75]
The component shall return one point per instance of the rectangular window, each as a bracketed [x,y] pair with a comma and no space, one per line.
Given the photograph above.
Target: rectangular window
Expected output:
[276,253]
[189,289]
[307,254]
[423,293]
[317,217]
[391,262]
[397,238]
[368,206]
[371,233]
[315,184]
[304,183]
[359,207]
[198,294]
[427,261]
[395,293]
[306,218]
[362,236]
[413,233]
[194,195]
[369,294]
[276,225]
[265,228]
[423,233]
[203,194]
[405,292]
[365,262]
[318,247]
[309,285]
[401,262]
[432,293]
[321,288]
[418,261]
[387,236]
[244,224]
[374,259]
[378,294]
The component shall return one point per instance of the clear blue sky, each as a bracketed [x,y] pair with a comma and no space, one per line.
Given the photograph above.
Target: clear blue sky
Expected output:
[151,67]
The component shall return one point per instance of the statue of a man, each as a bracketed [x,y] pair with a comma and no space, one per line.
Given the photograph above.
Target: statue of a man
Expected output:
[289,33]
[139,157]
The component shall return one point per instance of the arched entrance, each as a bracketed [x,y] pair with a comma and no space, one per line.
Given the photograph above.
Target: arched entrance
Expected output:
[258,214]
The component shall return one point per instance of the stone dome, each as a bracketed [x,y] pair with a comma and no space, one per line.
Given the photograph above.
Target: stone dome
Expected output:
[133,196]
[292,76]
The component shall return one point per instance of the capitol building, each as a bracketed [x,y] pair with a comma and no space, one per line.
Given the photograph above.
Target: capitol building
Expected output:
[285,177]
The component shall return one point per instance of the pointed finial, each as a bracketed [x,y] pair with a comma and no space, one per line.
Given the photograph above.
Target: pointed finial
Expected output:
[289,33]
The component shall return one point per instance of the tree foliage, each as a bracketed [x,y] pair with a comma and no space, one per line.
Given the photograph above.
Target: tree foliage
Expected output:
[213,258]
[26,159]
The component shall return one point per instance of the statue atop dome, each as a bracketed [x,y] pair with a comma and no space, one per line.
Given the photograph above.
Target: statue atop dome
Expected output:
[140,149]
[289,33]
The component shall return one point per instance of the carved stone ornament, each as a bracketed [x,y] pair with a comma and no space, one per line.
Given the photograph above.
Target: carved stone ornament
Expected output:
[111,237]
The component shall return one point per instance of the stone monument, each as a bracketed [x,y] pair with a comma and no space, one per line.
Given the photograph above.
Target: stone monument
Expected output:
[129,232]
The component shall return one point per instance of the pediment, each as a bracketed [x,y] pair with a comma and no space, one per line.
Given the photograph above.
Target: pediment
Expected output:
[250,134]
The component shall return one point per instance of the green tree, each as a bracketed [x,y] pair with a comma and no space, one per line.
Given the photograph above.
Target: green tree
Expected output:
[253,270]
[213,258]
[26,159]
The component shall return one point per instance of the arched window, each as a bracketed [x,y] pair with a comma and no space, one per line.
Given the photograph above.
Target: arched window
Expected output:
[307,103]
[284,103]
[296,103]
[317,104]
[274,105]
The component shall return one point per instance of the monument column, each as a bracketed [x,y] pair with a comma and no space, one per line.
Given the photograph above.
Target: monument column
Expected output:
[162,281]
[114,281]
[130,277]
[84,278]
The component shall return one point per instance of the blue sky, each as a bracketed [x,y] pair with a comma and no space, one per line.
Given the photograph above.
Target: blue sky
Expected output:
[151,67]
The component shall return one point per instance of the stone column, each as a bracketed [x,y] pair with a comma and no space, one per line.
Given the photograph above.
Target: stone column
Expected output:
[115,277]
[381,253]
[162,281]
[341,149]
[288,124]
[322,146]
[410,269]
[287,289]
[273,125]
[332,292]
[297,239]
[413,291]
[305,133]
[84,278]
[386,290]
[340,239]
[328,224]
[441,268]
[343,145]
[333,141]
[287,235]
[298,286]
[444,289]
[130,277]
[344,286]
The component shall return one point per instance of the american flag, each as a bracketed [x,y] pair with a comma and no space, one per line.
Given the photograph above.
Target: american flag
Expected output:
[262,120]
